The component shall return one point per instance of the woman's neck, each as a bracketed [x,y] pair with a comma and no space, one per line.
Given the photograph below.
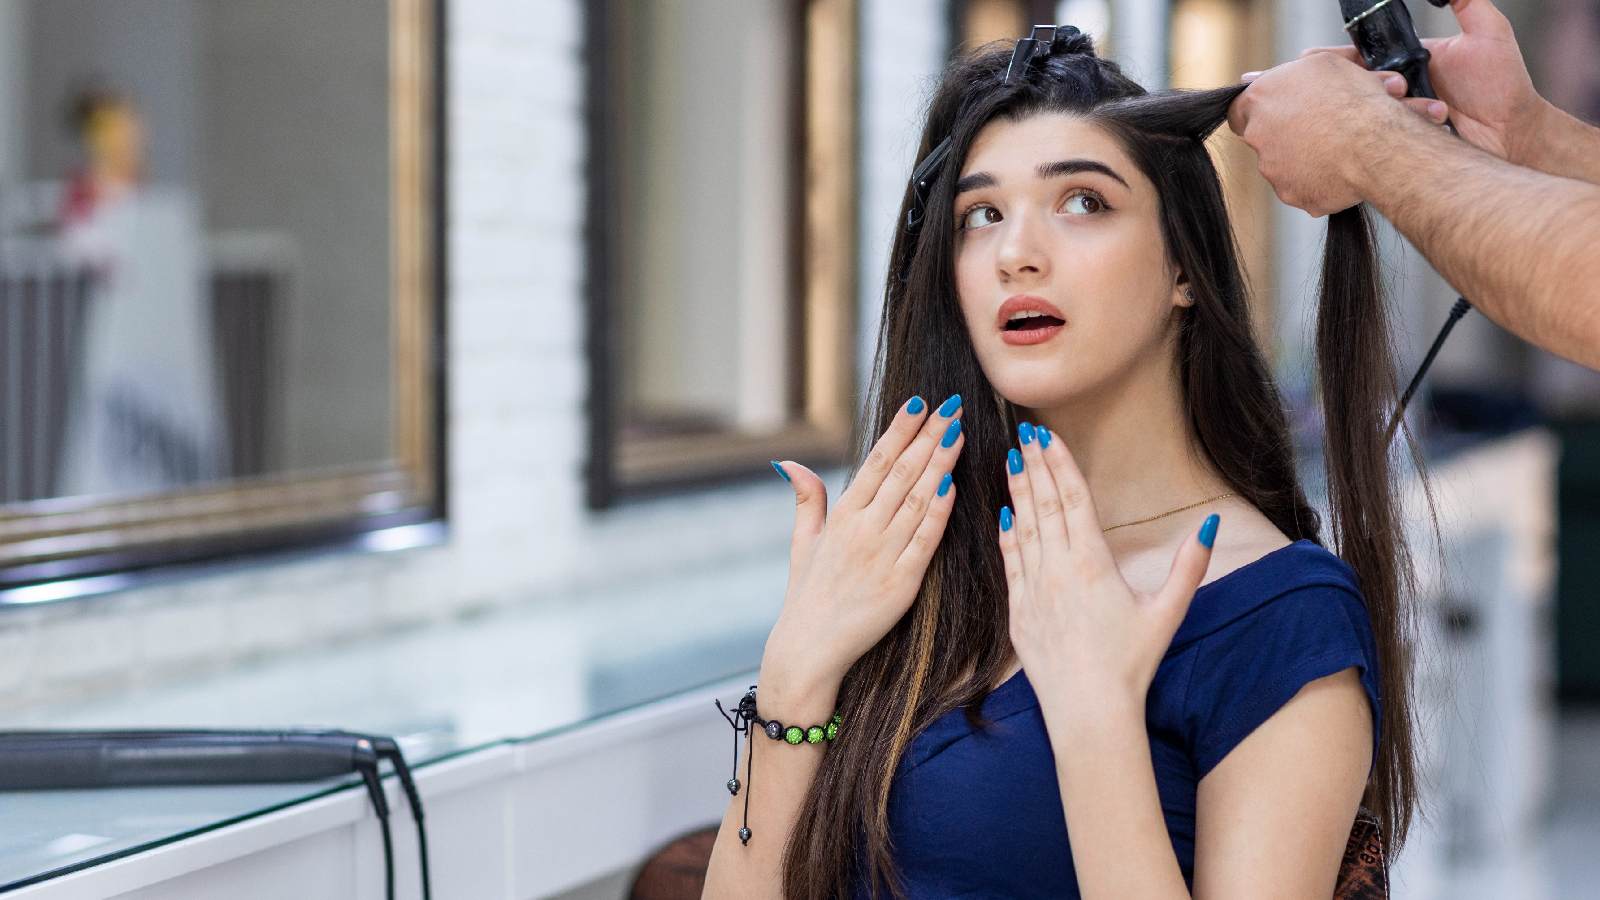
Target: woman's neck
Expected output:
[1132,442]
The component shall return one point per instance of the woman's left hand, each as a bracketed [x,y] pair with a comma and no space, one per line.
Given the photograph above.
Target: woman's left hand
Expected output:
[1081,633]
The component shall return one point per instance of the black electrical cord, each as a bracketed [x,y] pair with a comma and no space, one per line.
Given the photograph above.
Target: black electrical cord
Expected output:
[380,805]
[387,748]
[1460,309]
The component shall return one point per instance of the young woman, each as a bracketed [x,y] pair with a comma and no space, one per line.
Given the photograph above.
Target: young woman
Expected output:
[1055,674]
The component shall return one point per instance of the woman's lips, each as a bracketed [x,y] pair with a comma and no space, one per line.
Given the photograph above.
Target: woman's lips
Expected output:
[1023,336]
[1038,334]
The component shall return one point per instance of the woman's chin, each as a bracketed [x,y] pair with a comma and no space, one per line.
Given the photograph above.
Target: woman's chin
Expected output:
[1026,376]
[1039,391]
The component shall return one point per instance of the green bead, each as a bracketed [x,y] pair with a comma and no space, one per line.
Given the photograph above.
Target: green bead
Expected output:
[833,730]
[837,720]
[814,734]
[793,734]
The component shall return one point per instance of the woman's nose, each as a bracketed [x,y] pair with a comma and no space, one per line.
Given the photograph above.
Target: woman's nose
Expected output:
[1022,248]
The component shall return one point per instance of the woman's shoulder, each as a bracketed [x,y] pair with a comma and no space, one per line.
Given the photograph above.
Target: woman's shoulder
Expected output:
[1256,636]
[1299,572]
[1282,562]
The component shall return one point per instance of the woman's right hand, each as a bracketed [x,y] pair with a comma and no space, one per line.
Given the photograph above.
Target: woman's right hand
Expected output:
[855,573]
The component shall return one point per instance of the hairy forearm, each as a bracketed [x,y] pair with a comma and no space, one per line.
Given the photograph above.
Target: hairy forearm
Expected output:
[785,772]
[1560,144]
[1120,845]
[1522,246]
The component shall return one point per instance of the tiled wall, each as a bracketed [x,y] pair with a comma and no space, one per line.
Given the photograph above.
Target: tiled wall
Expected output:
[517,399]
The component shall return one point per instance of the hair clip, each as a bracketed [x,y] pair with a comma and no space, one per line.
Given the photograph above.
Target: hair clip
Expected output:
[922,182]
[1029,48]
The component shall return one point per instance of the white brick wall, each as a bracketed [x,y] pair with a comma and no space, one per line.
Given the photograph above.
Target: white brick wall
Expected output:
[517,394]
[908,42]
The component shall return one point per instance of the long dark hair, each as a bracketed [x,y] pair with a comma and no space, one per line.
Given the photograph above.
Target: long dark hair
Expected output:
[953,643]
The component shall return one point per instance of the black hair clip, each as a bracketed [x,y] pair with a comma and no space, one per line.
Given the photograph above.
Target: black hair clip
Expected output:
[922,182]
[1033,47]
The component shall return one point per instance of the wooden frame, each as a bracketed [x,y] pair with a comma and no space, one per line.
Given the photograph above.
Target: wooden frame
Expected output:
[821,397]
[52,539]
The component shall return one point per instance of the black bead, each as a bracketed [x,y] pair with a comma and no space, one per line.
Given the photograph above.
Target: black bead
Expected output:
[774,729]
[744,836]
[733,786]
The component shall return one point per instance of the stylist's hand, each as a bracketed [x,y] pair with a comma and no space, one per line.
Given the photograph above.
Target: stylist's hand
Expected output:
[1081,633]
[1310,119]
[1481,75]
[855,572]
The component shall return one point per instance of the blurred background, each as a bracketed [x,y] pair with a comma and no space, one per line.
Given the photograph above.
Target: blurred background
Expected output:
[415,365]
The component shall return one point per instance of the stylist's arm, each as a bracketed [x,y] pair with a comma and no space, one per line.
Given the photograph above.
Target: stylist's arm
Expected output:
[1504,213]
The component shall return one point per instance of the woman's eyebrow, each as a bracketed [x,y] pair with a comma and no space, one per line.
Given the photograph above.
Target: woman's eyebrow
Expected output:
[1044,171]
[1071,166]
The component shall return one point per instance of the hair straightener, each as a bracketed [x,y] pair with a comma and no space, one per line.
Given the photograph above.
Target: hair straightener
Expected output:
[56,760]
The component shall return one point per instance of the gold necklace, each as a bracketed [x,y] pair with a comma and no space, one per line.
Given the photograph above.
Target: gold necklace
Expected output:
[1169,512]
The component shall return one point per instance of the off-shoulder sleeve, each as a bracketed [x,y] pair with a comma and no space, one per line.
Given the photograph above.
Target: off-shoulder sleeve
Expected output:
[1247,671]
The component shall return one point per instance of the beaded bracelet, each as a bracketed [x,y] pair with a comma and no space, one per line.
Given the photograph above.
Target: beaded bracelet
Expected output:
[793,734]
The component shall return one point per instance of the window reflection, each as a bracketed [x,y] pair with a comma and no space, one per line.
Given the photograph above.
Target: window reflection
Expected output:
[219,278]
[195,243]
[144,415]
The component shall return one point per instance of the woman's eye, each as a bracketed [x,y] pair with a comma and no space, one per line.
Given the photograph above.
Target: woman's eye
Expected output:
[979,216]
[1084,203]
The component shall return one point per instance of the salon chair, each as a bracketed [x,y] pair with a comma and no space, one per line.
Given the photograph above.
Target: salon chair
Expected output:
[678,870]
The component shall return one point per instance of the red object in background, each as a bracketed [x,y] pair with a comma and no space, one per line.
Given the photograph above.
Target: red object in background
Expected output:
[78,199]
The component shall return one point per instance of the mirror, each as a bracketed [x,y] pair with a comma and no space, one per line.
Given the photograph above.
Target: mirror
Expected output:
[219,278]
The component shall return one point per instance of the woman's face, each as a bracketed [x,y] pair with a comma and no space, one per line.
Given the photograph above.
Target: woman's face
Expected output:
[1051,214]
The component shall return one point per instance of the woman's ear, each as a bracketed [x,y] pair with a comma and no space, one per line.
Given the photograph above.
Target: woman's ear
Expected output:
[1182,293]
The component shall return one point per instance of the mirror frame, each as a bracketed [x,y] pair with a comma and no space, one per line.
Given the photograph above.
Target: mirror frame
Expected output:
[46,545]
[821,393]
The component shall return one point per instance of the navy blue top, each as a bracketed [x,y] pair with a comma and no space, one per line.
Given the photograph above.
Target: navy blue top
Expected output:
[979,814]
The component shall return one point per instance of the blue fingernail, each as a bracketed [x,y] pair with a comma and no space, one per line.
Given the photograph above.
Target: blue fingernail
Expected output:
[1208,529]
[1025,432]
[1014,461]
[1005,518]
[915,406]
[949,407]
[1044,437]
[780,470]
[944,484]
[951,433]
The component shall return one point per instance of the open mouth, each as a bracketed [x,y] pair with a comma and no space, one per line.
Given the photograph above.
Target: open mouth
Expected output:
[1033,323]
